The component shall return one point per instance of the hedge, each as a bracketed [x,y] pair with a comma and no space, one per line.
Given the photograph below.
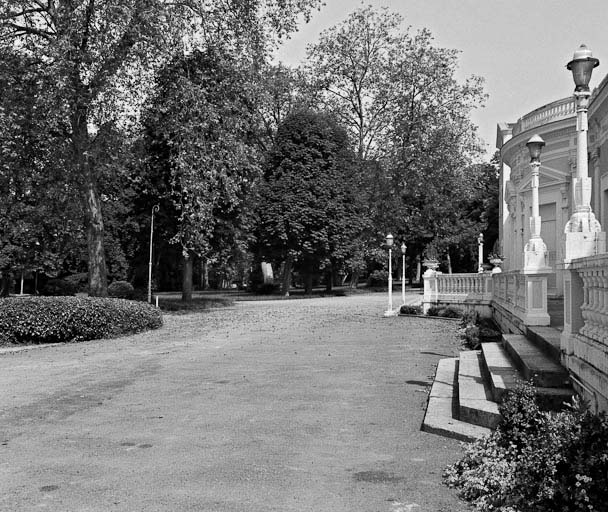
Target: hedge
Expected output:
[62,319]
[121,290]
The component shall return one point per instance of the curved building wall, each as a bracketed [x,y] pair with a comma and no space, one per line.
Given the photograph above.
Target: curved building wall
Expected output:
[556,124]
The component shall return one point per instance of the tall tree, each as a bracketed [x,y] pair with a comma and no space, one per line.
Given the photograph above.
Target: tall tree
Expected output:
[409,116]
[350,64]
[98,54]
[203,121]
[307,213]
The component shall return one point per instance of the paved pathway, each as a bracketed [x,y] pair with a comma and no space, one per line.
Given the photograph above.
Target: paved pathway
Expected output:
[302,405]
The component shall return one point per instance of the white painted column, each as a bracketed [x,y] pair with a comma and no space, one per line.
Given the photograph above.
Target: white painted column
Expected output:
[584,235]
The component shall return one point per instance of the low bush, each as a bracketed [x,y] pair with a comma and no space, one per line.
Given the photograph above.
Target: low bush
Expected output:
[59,287]
[81,281]
[476,330]
[176,305]
[266,289]
[121,290]
[410,310]
[62,319]
[444,311]
[378,279]
[536,461]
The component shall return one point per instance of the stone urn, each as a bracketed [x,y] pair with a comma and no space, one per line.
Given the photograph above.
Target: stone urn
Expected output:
[497,262]
[431,264]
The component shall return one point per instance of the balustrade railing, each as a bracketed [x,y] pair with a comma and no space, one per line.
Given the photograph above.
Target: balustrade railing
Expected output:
[593,272]
[523,295]
[554,111]
[463,284]
[584,340]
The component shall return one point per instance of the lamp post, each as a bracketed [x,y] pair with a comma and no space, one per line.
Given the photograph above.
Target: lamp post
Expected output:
[582,228]
[403,249]
[535,252]
[155,209]
[480,247]
[389,244]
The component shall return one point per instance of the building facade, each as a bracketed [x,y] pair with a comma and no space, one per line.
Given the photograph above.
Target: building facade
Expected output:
[581,281]
[556,124]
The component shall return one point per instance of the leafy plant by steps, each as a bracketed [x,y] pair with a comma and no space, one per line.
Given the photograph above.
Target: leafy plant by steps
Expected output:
[536,461]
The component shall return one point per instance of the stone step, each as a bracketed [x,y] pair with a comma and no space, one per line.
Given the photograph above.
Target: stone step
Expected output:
[547,339]
[500,369]
[504,376]
[475,404]
[533,363]
[442,406]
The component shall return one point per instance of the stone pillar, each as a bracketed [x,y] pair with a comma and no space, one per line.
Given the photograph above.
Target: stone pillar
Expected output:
[584,235]
[536,297]
[573,317]
[430,289]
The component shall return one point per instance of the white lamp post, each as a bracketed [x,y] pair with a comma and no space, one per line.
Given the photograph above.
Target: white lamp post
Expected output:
[582,230]
[535,252]
[403,249]
[155,209]
[389,244]
[480,246]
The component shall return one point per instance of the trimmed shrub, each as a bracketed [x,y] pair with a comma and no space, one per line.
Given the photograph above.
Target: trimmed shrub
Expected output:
[536,461]
[59,288]
[267,289]
[62,319]
[410,310]
[81,281]
[121,290]
[444,311]
[377,279]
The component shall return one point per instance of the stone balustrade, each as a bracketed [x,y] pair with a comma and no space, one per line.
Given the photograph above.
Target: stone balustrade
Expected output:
[584,340]
[456,289]
[463,284]
[523,295]
[560,109]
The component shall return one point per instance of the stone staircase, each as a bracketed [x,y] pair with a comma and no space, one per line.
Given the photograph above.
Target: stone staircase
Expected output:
[463,402]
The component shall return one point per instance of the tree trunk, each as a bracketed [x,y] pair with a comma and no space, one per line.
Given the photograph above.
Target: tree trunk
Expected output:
[5,284]
[354,280]
[308,283]
[204,274]
[329,280]
[187,278]
[98,276]
[308,278]
[286,278]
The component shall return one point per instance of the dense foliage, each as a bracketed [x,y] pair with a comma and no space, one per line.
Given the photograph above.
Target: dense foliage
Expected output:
[306,208]
[177,104]
[536,461]
[34,320]
[121,290]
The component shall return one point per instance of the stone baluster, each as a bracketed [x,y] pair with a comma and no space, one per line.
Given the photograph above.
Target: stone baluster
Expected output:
[604,292]
[585,313]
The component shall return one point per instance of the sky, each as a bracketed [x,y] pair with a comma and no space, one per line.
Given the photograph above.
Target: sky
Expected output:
[520,47]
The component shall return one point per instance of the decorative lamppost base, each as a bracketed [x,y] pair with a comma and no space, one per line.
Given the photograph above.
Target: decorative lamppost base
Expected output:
[584,236]
[535,256]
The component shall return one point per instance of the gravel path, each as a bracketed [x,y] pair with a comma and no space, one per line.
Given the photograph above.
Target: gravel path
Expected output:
[303,405]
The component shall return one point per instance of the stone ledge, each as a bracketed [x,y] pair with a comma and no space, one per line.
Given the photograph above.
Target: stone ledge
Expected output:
[439,418]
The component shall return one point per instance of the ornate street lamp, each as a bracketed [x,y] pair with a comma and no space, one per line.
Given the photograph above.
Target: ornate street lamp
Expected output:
[582,65]
[155,209]
[582,228]
[403,249]
[389,244]
[535,252]
[480,246]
